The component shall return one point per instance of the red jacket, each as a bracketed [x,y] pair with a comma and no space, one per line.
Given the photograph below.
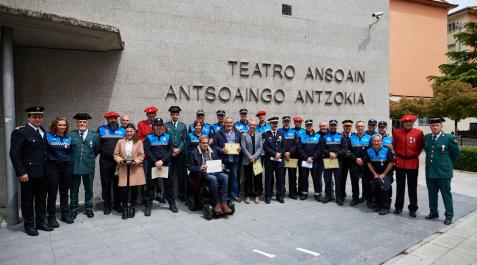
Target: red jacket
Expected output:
[408,146]
[143,129]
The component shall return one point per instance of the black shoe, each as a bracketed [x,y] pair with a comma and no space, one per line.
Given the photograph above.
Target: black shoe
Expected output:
[132,212]
[362,199]
[339,202]
[31,231]
[89,214]
[399,211]
[333,198]
[431,216]
[412,214]
[147,211]
[448,221]
[160,199]
[303,197]
[44,227]
[293,196]
[125,213]
[118,208]
[173,207]
[107,210]
[318,197]
[383,211]
[66,217]
[267,200]
[280,200]
[73,215]
[371,205]
[325,199]
[236,199]
[354,202]
[52,223]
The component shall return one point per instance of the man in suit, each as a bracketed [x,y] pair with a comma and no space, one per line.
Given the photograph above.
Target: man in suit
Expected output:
[28,156]
[442,152]
[346,160]
[84,150]
[274,161]
[252,148]
[178,132]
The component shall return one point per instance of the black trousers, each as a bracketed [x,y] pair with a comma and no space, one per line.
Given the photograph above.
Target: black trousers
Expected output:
[356,173]
[346,164]
[133,190]
[109,181]
[328,175]
[411,176]
[151,184]
[178,167]
[60,176]
[316,173]
[382,197]
[274,172]
[291,180]
[33,200]
[253,184]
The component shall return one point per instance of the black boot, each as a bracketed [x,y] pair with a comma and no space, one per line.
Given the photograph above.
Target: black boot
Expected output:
[125,213]
[52,221]
[66,217]
[132,211]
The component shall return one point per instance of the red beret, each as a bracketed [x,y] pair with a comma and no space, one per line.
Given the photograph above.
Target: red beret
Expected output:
[151,109]
[260,113]
[408,117]
[111,114]
[297,119]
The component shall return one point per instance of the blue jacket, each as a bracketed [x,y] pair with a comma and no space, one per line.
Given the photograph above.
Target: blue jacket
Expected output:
[158,147]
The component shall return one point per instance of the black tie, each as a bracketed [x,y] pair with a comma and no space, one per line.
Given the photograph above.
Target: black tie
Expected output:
[434,137]
[82,136]
[274,135]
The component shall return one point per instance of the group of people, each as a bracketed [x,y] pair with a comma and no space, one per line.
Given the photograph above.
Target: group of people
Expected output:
[155,156]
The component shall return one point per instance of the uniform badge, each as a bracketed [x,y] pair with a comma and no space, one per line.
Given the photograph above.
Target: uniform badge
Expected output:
[91,144]
[411,140]
[33,140]
[443,148]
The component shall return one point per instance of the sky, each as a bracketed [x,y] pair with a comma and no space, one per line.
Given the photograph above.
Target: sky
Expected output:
[462,4]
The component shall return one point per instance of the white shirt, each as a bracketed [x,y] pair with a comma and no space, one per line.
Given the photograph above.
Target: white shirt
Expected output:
[129,147]
[42,133]
[437,136]
[85,133]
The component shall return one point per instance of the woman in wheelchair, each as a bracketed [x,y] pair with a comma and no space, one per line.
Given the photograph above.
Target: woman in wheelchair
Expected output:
[216,182]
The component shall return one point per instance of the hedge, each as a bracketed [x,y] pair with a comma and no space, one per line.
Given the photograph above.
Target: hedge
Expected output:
[468,159]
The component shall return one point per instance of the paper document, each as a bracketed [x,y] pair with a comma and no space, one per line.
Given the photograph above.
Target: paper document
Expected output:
[257,167]
[232,148]
[292,163]
[306,164]
[160,173]
[214,166]
[329,163]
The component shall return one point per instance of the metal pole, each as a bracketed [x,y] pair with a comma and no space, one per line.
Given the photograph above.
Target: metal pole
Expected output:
[10,122]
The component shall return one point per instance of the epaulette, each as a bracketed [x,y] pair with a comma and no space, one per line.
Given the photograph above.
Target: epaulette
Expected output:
[19,127]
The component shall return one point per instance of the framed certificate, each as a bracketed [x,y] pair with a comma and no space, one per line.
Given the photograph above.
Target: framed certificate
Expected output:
[292,163]
[160,173]
[331,163]
[214,166]
[232,148]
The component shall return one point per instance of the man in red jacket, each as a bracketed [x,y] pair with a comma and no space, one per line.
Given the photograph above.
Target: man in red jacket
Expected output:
[408,143]
[144,127]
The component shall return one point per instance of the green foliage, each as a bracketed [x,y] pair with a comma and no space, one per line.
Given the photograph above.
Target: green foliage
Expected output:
[456,100]
[468,159]
[416,106]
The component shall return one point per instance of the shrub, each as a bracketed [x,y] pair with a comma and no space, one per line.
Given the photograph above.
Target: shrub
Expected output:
[468,159]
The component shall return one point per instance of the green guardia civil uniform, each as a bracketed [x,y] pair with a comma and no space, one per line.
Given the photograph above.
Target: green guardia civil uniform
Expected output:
[178,135]
[83,158]
[441,156]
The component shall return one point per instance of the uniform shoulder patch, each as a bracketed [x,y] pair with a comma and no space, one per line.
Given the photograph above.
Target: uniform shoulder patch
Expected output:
[19,127]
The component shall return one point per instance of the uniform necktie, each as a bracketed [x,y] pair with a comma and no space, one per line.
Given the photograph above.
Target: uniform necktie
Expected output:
[434,137]
[274,135]
[175,125]
[82,136]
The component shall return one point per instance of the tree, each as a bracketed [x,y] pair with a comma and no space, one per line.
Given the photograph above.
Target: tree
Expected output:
[456,100]
[415,106]
[464,65]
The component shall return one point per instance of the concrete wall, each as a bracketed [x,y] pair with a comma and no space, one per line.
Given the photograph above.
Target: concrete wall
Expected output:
[190,43]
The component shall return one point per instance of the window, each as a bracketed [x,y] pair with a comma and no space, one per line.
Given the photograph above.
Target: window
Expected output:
[423,121]
[286,10]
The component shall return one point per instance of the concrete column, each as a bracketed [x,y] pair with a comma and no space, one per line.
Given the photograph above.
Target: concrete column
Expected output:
[10,122]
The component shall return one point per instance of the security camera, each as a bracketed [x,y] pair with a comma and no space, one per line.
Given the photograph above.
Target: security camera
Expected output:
[377,14]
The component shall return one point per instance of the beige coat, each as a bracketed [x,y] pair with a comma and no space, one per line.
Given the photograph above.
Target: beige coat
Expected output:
[136,176]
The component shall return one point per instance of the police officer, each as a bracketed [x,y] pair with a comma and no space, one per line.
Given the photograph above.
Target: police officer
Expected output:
[274,146]
[109,135]
[206,127]
[158,149]
[387,138]
[178,133]
[59,170]
[346,160]
[291,152]
[360,143]
[220,121]
[380,165]
[310,148]
[262,125]
[85,147]
[442,152]
[28,153]
[335,148]
[193,137]
[242,124]
[371,127]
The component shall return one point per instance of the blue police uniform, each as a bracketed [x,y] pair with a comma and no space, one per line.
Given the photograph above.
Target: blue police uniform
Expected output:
[59,173]
[359,147]
[158,147]
[336,143]
[311,145]
[192,141]
[291,146]
[216,127]
[108,137]
[381,188]
[262,128]
[206,129]
[387,141]
[241,126]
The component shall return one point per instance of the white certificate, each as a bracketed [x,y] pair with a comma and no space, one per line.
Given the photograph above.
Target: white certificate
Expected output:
[160,173]
[214,166]
[306,164]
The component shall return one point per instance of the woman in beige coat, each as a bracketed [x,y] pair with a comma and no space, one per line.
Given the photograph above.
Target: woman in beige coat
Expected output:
[130,148]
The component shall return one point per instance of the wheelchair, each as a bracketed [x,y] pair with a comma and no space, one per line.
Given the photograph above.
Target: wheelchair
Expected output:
[201,198]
